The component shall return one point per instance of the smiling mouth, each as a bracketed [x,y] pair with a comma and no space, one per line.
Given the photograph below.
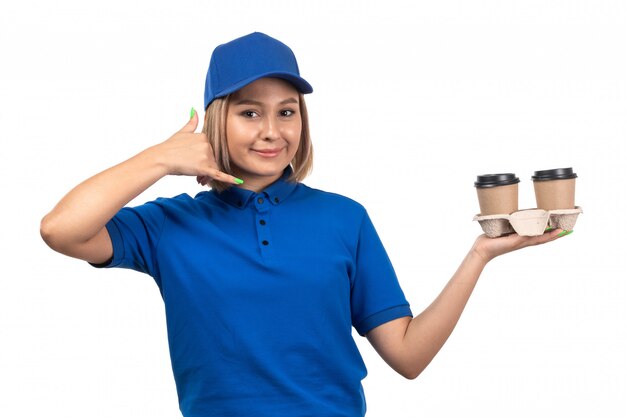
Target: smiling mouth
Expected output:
[267,153]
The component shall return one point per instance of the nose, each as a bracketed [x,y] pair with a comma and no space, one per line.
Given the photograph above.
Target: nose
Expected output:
[270,129]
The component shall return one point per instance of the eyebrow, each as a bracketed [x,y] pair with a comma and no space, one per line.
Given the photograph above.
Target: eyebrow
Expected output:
[258,103]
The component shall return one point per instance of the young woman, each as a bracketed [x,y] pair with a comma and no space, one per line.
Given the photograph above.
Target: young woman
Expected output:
[262,277]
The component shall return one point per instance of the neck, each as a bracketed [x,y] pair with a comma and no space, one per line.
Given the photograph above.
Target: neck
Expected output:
[258,184]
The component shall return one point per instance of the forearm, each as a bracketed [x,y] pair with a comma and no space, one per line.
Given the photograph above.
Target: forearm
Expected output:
[408,345]
[86,209]
[427,332]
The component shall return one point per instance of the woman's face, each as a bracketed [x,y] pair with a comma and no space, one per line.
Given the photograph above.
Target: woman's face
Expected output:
[263,128]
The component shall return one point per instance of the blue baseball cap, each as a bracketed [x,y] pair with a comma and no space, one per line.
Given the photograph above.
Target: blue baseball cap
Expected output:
[241,61]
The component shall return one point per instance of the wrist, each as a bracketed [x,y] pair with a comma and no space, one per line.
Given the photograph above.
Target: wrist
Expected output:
[478,257]
[154,161]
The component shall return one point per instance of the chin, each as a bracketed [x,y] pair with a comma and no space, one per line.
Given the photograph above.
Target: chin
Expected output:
[264,171]
[269,169]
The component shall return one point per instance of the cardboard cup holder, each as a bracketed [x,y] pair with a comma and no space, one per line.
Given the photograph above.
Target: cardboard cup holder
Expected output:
[528,222]
[554,189]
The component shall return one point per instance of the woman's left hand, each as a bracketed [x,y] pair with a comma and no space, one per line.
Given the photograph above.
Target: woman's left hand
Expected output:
[488,248]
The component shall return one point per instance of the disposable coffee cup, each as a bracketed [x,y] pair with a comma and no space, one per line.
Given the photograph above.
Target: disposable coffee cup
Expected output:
[555,188]
[497,193]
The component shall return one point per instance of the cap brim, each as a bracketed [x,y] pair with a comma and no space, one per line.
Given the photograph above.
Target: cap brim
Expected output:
[300,83]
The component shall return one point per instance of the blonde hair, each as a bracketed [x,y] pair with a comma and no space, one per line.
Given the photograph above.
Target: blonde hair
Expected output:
[215,129]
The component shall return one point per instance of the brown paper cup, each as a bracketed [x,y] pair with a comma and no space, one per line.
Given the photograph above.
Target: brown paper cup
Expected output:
[555,188]
[555,194]
[498,200]
[497,193]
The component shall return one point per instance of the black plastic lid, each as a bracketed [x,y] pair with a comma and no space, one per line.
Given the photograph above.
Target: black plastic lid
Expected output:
[554,174]
[495,180]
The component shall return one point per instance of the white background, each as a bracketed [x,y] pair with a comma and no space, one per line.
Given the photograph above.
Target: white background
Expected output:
[412,100]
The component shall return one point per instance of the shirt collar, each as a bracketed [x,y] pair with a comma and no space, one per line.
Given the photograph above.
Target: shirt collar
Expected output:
[275,193]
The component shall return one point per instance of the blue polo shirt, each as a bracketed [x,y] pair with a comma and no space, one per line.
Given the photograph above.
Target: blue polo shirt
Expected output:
[261,292]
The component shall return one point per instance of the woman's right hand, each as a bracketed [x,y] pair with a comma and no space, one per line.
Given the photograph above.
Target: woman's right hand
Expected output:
[190,153]
[76,225]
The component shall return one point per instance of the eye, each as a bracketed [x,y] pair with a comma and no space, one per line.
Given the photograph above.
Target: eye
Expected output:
[249,114]
[287,113]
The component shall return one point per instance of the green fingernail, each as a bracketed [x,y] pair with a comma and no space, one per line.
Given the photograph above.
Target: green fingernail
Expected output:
[549,228]
[569,233]
[192,113]
[238,181]
[564,233]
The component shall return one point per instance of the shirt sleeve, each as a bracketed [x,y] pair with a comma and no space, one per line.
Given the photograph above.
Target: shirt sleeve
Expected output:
[376,296]
[135,234]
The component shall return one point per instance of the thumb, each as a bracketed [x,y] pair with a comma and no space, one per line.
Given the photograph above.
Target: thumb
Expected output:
[192,124]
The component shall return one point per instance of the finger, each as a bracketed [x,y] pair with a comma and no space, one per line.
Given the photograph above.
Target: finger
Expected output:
[218,175]
[202,179]
[548,236]
[192,124]
[565,233]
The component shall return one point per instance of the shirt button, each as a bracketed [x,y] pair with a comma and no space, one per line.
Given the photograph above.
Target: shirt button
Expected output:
[260,200]
[262,222]
[265,243]
[276,199]
[239,204]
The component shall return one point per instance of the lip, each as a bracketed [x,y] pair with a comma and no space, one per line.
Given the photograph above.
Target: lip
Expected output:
[268,153]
